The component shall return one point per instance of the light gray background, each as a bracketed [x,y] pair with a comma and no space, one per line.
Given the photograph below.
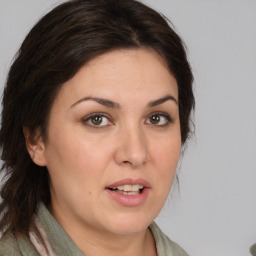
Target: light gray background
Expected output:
[215,212]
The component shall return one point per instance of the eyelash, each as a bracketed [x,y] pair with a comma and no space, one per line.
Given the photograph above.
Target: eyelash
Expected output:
[169,119]
[88,119]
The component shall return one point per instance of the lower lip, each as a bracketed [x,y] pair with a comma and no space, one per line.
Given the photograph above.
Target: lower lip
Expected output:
[129,200]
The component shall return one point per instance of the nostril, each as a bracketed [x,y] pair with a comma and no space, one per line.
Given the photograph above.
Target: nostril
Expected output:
[131,152]
[133,163]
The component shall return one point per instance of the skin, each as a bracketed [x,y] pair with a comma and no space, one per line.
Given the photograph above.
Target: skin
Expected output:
[83,158]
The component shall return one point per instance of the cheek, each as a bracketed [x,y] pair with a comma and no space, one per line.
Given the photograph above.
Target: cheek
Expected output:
[167,153]
[73,169]
[73,156]
[166,158]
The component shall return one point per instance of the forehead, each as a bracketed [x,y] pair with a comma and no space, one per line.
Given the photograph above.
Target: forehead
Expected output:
[121,74]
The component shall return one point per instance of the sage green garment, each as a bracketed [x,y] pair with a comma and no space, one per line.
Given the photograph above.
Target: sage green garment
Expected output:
[64,246]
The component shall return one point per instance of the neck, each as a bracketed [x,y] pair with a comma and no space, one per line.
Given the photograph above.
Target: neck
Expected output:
[112,245]
[93,240]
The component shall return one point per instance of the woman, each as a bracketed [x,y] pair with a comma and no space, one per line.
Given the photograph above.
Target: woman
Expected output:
[95,111]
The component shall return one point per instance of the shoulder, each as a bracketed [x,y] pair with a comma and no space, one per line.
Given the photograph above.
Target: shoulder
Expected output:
[9,246]
[165,246]
[19,245]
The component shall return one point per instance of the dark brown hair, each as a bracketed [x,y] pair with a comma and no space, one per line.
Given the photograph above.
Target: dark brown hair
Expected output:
[54,50]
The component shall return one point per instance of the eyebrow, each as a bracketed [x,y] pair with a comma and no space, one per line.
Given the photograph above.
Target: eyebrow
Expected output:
[111,104]
[161,101]
[104,102]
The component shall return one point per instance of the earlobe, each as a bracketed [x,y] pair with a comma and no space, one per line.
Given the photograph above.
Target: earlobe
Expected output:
[35,146]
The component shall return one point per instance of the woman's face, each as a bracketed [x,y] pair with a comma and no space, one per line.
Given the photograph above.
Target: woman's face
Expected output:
[113,143]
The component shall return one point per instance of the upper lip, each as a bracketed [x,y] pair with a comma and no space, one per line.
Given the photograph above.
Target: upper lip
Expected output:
[130,181]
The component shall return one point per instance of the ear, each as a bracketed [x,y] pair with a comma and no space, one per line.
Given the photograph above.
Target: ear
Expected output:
[35,146]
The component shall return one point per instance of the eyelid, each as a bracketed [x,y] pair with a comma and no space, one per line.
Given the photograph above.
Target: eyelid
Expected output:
[88,117]
[163,114]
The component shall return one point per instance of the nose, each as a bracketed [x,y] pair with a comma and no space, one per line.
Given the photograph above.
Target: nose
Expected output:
[131,148]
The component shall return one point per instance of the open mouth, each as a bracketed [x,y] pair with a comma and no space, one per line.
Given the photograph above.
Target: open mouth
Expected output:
[129,192]
[128,189]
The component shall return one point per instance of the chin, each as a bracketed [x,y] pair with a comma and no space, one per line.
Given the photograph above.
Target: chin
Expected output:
[126,224]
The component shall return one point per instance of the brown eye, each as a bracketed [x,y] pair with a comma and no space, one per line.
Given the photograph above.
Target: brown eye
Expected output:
[96,120]
[159,119]
[155,119]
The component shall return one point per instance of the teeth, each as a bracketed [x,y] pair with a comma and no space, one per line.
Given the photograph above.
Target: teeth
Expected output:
[129,188]
[127,193]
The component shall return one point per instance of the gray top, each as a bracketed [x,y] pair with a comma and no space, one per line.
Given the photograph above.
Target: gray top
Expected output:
[63,244]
